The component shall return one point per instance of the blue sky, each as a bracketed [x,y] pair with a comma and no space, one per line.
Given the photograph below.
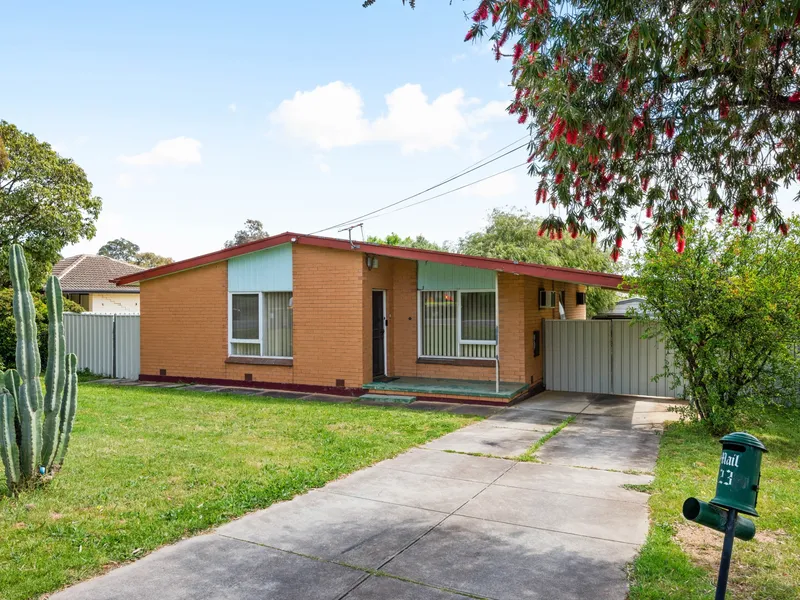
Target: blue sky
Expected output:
[190,117]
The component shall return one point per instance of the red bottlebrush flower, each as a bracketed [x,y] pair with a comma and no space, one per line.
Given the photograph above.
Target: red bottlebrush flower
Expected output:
[795,97]
[523,116]
[637,124]
[588,202]
[572,137]
[544,195]
[618,153]
[760,191]
[530,158]
[469,35]
[543,7]
[553,154]
[593,159]
[724,108]
[559,177]
[573,232]
[560,235]
[618,241]
[624,84]
[638,231]
[650,139]
[681,246]
[615,253]
[676,157]
[541,231]
[552,234]
[577,182]
[601,132]
[749,228]
[645,183]
[673,195]
[669,128]
[573,166]
[497,54]
[558,128]
[783,228]
[535,46]
[517,52]
[753,216]
[523,4]
[495,13]
[598,74]
[649,212]
[719,218]
[735,221]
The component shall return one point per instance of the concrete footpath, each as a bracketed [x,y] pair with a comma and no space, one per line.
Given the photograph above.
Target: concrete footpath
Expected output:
[439,522]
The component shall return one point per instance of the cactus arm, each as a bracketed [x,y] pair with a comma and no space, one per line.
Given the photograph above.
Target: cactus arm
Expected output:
[69,405]
[29,400]
[9,451]
[55,373]
[28,360]
[12,382]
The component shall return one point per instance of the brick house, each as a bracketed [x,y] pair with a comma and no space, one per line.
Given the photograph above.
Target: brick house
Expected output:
[312,313]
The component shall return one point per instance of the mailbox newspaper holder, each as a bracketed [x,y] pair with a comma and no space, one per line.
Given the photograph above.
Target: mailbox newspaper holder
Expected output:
[739,473]
[737,491]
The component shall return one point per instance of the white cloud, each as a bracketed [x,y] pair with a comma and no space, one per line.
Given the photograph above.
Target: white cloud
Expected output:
[332,116]
[177,151]
[232,107]
[502,185]
[459,57]
[324,168]
[495,109]
[125,180]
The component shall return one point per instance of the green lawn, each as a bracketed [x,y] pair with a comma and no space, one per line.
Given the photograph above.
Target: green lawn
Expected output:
[147,466]
[766,568]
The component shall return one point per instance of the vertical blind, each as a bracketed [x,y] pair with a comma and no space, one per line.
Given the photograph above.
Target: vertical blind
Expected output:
[277,324]
[440,320]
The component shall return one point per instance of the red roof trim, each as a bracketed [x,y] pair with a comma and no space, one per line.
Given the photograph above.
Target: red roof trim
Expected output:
[590,278]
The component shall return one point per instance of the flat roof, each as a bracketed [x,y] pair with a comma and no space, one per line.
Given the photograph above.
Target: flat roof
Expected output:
[565,274]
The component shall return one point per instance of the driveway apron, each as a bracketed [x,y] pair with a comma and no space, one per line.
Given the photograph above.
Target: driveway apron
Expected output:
[455,518]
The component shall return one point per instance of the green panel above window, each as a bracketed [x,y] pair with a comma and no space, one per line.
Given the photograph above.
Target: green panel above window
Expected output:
[441,277]
[267,270]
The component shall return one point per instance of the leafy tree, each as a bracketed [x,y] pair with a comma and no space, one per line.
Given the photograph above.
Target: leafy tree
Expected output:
[121,249]
[728,308]
[407,242]
[46,202]
[127,251]
[644,113]
[514,235]
[148,260]
[253,230]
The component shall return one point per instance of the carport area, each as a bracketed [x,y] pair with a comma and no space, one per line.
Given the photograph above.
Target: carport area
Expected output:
[458,517]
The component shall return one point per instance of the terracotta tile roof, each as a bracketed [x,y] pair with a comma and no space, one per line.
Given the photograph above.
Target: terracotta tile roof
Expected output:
[91,273]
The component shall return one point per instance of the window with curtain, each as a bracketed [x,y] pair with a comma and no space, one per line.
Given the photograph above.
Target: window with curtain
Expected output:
[458,324]
[261,324]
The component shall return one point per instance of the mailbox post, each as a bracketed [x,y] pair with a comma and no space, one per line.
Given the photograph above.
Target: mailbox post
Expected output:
[737,492]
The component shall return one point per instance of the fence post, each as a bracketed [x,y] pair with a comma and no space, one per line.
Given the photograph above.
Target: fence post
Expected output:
[114,346]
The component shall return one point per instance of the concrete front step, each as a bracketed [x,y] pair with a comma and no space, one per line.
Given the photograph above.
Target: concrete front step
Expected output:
[388,398]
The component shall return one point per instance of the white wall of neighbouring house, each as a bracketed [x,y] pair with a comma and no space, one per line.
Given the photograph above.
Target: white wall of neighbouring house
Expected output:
[114,303]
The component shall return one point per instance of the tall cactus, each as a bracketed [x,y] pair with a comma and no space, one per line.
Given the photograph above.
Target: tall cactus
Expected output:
[55,372]
[29,400]
[30,447]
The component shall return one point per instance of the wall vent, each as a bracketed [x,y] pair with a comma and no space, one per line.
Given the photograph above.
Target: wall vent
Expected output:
[248,377]
[162,372]
[340,383]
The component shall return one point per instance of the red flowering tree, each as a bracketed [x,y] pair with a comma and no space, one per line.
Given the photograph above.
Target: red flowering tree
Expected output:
[648,114]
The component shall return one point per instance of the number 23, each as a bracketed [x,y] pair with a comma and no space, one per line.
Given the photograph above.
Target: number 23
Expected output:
[722,480]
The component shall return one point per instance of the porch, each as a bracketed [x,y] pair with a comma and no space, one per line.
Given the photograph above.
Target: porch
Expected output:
[427,388]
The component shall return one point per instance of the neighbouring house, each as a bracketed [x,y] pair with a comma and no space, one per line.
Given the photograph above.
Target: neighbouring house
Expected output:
[312,313]
[86,280]
[624,309]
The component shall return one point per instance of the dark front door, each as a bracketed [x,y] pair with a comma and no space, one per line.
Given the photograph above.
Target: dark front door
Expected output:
[378,335]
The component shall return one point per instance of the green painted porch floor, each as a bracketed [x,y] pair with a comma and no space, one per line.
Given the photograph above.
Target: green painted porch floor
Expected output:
[430,386]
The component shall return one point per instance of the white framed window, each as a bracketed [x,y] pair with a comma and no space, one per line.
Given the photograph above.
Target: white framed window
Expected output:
[547,299]
[260,324]
[457,324]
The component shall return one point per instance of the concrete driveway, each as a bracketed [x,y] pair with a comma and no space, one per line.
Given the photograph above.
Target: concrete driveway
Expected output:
[438,524]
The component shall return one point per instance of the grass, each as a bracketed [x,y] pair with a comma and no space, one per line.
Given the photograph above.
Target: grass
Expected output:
[529,455]
[148,466]
[680,560]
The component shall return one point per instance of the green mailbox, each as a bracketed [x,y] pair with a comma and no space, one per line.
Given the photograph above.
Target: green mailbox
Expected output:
[739,473]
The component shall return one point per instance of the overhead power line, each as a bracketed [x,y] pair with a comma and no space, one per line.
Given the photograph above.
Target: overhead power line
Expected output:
[474,167]
[448,191]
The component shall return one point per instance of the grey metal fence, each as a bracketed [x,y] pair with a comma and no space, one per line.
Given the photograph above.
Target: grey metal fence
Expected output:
[105,344]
